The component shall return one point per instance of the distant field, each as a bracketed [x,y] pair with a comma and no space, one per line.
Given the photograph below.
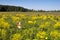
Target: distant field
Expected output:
[46,13]
[29,25]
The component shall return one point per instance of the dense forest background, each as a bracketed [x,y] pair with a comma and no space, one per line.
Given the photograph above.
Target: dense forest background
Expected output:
[8,8]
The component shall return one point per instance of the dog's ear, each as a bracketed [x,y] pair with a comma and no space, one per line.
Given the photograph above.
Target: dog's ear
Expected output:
[19,25]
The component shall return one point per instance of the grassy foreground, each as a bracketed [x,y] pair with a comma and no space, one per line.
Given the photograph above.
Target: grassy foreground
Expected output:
[34,26]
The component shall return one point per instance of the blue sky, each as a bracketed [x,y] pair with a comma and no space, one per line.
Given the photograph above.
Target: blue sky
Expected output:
[34,4]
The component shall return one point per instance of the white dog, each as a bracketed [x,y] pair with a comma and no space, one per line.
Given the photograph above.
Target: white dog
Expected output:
[19,25]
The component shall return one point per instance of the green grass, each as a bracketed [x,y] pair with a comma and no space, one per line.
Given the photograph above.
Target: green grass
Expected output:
[34,26]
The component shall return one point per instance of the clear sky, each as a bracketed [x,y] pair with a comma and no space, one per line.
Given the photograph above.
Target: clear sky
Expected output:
[34,4]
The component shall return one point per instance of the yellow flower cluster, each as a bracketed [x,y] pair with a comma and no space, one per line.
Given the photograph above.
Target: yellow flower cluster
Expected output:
[15,19]
[4,24]
[55,34]
[3,34]
[31,22]
[44,17]
[42,35]
[57,25]
[45,25]
[16,36]
[34,17]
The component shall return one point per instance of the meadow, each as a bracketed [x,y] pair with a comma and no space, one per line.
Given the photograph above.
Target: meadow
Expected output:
[34,26]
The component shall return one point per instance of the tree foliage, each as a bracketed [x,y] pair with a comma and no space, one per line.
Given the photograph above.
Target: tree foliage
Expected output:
[13,8]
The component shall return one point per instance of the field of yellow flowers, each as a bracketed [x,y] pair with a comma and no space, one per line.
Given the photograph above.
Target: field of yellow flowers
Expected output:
[33,27]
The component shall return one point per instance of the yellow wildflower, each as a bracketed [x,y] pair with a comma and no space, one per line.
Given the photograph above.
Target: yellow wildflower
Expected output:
[34,17]
[44,25]
[57,25]
[44,17]
[3,33]
[41,34]
[55,34]
[40,16]
[15,19]
[16,36]
[30,22]
[5,24]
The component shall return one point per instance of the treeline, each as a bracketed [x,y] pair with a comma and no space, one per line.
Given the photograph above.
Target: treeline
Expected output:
[7,8]
[48,11]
